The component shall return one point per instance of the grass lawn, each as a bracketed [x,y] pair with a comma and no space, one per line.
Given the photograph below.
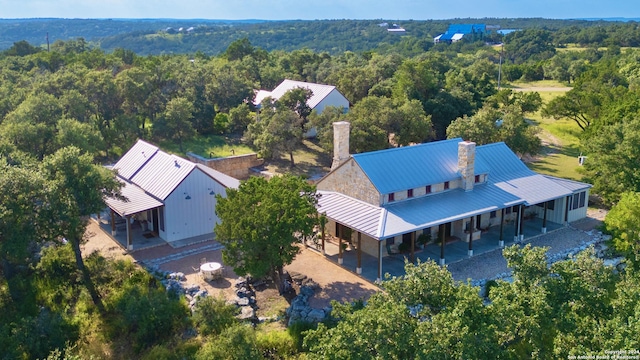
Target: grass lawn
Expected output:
[561,155]
[211,146]
[534,84]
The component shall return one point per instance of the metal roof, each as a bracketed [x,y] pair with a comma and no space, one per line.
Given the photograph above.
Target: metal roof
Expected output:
[135,158]
[411,167]
[136,200]
[569,184]
[162,174]
[224,179]
[350,212]
[319,91]
[444,207]
[509,183]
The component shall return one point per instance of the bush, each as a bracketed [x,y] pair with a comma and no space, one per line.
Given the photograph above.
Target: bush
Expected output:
[276,344]
[145,315]
[235,343]
[296,331]
[213,315]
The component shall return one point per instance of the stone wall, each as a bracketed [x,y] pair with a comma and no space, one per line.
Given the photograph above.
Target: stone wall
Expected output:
[235,166]
[349,179]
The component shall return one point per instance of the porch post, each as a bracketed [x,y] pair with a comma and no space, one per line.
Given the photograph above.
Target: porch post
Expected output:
[129,242]
[501,241]
[359,268]
[340,244]
[322,235]
[544,219]
[441,236]
[516,236]
[473,227]
[521,222]
[380,260]
[113,223]
[413,247]
[566,211]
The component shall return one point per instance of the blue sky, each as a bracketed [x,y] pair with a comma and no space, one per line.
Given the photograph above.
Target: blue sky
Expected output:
[318,9]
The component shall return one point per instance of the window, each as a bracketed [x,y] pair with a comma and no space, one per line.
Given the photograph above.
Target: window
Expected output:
[576,201]
[446,185]
[492,215]
[515,208]
[392,197]
[583,196]
[427,189]
[410,193]
[507,210]
[161,218]
[477,180]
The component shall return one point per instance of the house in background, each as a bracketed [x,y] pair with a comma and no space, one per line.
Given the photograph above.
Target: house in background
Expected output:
[322,96]
[446,190]
[174,198]
[457,32]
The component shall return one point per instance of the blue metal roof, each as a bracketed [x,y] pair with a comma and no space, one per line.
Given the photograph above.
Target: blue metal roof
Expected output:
[411,167]
[509,183]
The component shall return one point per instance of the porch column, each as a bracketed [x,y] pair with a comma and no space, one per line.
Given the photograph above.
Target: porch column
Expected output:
[129,242]
[441,237]
[521,222]
[544,219]
[473,227]
[516,235]
[501,241]
[340,244]
[359,268]
[322,235]
[413,247]
[380,260]
[566,211]
[113,223]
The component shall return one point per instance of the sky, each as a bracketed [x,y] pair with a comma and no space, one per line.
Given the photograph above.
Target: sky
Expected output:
[319,9]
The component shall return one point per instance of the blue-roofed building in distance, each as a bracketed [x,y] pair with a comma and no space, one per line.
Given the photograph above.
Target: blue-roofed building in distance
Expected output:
[457,32]
[450,189]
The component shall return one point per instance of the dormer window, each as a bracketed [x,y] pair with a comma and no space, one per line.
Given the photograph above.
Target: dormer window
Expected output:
[391,197]
[446,185]
[410,193]
[427,189]
[477,179]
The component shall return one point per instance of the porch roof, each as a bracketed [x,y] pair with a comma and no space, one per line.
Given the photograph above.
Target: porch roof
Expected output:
[137,200]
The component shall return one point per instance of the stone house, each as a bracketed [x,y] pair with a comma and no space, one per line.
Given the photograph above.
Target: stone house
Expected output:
[450,189]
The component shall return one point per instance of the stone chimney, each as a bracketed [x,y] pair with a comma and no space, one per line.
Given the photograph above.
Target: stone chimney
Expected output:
[340,143]
[466,160]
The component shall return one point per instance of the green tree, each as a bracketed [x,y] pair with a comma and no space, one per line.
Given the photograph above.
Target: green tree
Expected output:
[612,164]
[622,223]
[260,223]
[235,343]
[76,189]
[175,121]
[277,131]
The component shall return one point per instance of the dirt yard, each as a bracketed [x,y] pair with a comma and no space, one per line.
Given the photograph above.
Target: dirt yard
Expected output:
[335,282]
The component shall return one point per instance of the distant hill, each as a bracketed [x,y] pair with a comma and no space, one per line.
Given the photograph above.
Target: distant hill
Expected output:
[167,36]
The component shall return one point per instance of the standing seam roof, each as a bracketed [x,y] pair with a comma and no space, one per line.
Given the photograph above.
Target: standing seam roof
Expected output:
[319,91]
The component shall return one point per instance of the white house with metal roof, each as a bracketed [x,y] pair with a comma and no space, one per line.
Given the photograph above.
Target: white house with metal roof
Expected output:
[444,189]
[322,96]
[173,197]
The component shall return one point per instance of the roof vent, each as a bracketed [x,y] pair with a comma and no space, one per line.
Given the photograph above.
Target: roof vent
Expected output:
[175,162]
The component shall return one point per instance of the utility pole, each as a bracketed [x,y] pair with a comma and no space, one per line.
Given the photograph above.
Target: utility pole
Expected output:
[500,66]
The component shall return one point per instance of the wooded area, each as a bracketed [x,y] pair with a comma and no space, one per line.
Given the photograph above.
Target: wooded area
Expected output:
[65,111]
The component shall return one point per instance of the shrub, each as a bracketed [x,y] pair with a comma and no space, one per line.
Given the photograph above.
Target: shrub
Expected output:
[296,331]
[276,344]
[213,315]
[235,343]
[145,315]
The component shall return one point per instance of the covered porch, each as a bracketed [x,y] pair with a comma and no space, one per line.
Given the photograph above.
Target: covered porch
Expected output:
[374,268]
